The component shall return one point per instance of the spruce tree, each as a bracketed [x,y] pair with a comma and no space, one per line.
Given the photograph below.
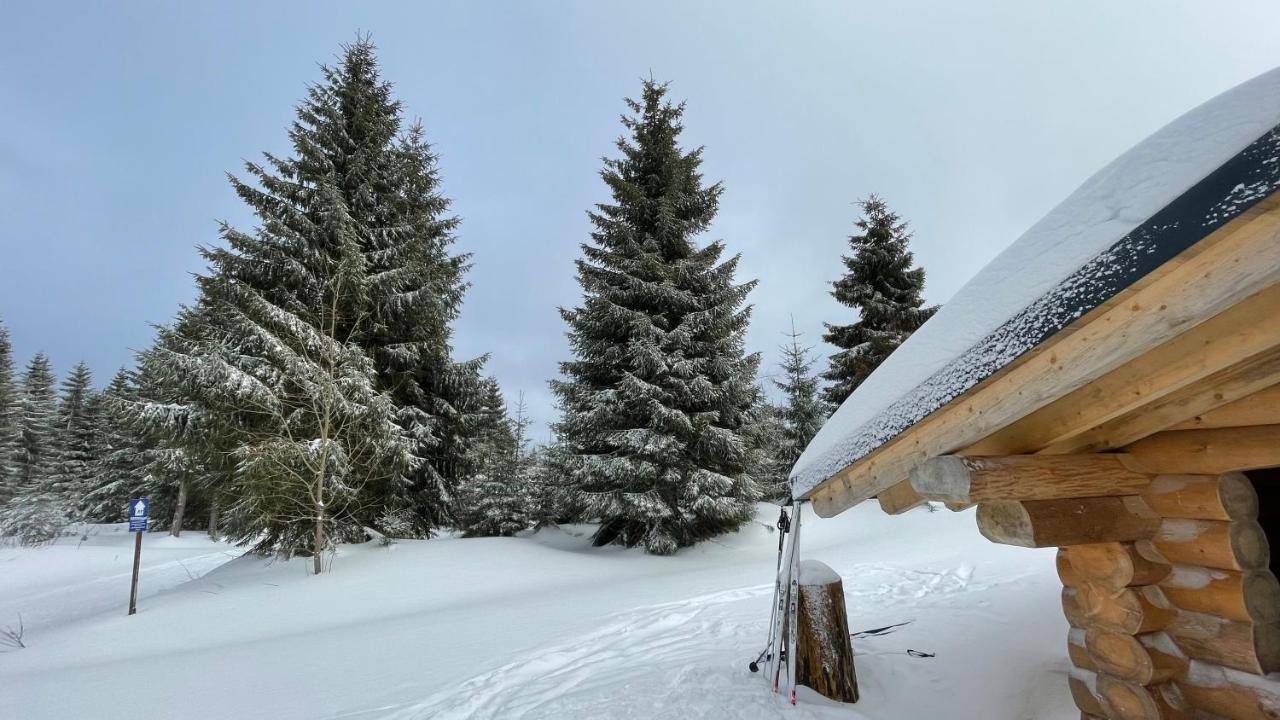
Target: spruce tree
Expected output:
[801,415]
[657,400]
[33,514]
[119,463]
[77,441]
[497,500]
[885,289]
[8,419]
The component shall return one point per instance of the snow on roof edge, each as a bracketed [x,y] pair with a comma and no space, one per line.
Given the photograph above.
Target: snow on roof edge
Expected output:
[1092,245]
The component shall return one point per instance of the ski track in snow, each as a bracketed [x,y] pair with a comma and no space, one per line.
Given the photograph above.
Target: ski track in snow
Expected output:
[645,653]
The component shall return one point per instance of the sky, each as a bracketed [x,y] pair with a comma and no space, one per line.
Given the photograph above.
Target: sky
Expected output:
[119,122]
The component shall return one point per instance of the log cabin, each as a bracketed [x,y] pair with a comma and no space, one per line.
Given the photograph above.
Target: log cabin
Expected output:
[1110,386]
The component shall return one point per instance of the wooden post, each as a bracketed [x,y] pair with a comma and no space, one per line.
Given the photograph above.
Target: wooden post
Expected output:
[825,653]
[137,562]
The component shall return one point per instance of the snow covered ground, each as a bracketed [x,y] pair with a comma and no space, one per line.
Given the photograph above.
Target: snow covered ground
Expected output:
[541,626]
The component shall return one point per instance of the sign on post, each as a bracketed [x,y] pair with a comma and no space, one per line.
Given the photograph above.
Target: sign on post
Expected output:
[139,514]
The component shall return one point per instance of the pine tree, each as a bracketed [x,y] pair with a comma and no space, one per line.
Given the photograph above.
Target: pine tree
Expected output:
[801,415]
[77,446]
[658,399]
[881,284]
[8,419]
[33,515]
[497,500]
[119,463]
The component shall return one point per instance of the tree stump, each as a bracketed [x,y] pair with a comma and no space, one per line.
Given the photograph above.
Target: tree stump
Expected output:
[825,657]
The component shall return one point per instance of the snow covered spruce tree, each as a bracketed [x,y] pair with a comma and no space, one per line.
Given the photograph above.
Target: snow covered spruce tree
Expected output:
[118,465]
[497,500]
[33,514]
[78,446]
[8,419]
[657,399]
[881,284]
[799,417]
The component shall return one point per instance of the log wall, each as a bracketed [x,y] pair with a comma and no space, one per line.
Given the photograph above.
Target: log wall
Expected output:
[1184,623]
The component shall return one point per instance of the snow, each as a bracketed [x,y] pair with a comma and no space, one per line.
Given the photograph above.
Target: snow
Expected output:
[816,572]
[962,344]
[543,626]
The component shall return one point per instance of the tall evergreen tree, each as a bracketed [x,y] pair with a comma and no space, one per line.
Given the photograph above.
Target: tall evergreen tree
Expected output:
[32,515]
[77,441]
[8,419]
[658,399]
[802,412]
[885,289]
[354,241]
[119,464]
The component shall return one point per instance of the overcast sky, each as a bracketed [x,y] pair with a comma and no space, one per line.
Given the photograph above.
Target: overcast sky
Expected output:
[119,120]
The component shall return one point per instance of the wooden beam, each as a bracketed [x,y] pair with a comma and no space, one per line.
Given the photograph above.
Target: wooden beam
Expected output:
[1230,357]
[1126,700]
[1209,452]
[1234,263]
[899,498]
[1231,383]
[1116,565]
[952,478]
[1260,408]
[1251,647]
[1230,496]
[1046,523]
[1240,545]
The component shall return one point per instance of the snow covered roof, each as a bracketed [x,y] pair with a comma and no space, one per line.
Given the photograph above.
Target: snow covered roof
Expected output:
[1151,203]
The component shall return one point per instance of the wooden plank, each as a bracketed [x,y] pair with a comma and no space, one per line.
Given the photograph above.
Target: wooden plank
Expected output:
[1209,452]
[1238,261]
[1046,523]
[1260,408]
[952,478]
[1239,380]
[1086,419]
[899,498]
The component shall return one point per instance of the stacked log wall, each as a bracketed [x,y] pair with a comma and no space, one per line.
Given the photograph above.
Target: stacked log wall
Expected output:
[1183,624]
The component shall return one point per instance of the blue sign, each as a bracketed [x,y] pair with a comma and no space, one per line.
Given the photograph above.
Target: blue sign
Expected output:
[139,513]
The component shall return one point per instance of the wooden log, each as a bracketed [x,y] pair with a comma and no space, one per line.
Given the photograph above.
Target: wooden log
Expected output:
[1229,496]
[825,654]
[1230,693]
[952,478]
[1260,408]
[1078,651]
[1084,691]
[1116,565]
[1125,700]
[1208,452]
[1071,608]
[1066,573]
[1127,610]
[899,498]
[1248,646]
[1144,659]
[1253,595]
[1078,521]
[1238,545]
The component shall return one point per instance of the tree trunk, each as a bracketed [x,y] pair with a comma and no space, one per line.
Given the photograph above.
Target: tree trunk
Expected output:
[825,654]
[213,520]
[179,509]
